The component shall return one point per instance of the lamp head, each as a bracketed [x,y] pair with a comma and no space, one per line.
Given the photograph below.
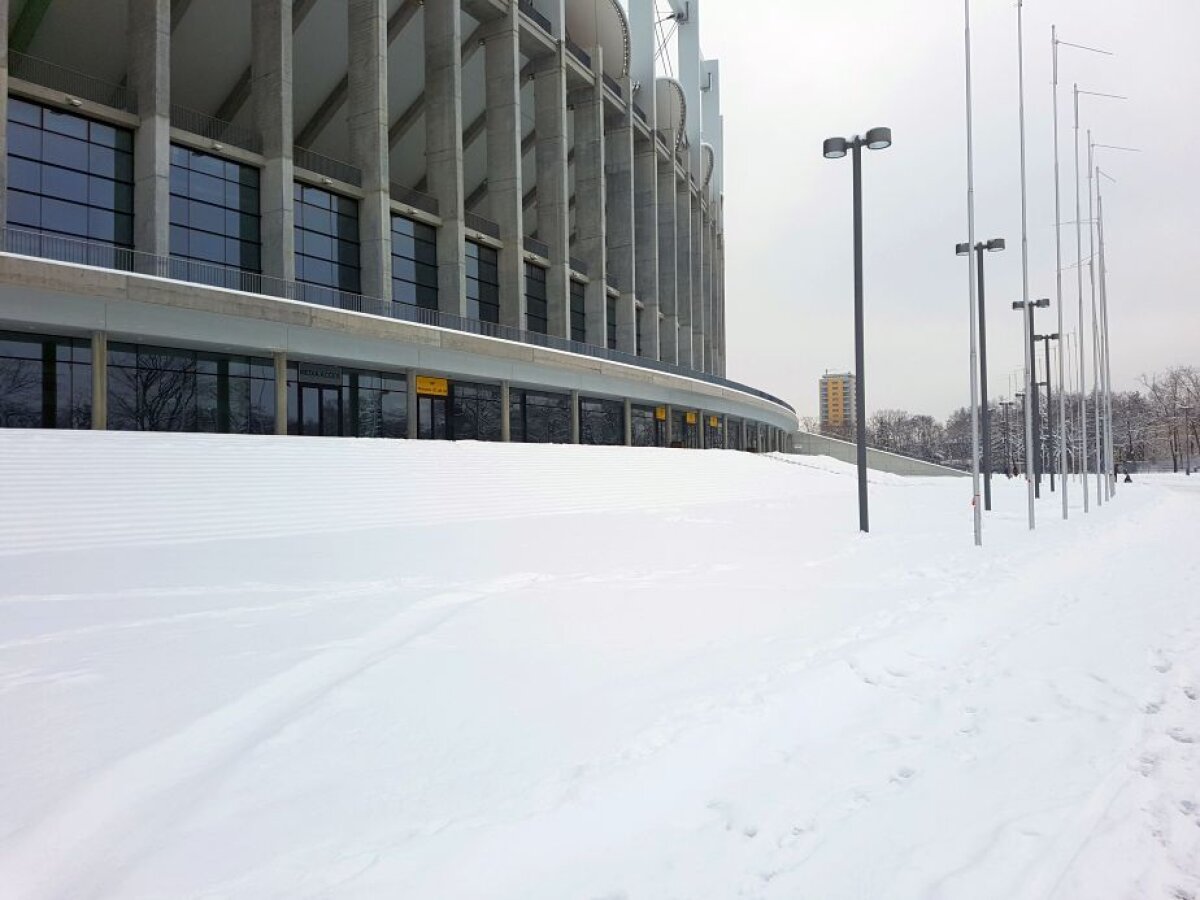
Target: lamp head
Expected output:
[962,249]
[834,148]
[994,245]
[879,138]
[1042,303]
[1018,304]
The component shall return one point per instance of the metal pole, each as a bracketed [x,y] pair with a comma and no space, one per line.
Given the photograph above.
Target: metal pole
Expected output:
[860,379]
[1101,481]
[1050,401]
[975,506]
[1187,439]
[985,412]
[1035,467]
[1062,394]
[1083,431]
[1030,397]
[1030,401]
[1110,465]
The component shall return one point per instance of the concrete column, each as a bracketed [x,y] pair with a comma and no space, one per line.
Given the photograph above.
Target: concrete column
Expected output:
[710,314]
[271,90]
[618,180]
[699,325]
[720,255]
[99,381]
[149,39]
[574,417]
[367,122]
[4,113]
[683,263]
[410,404]
[590,195]
[643,27]
[668,270]
[628,422]
[553,187]
[690,79]
[504,183]
[645,205]
[281,393]
[444,148]
[670,425]
[724,432]
[505,412]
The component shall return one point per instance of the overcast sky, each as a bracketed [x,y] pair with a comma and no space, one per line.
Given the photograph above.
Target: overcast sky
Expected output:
[794,73]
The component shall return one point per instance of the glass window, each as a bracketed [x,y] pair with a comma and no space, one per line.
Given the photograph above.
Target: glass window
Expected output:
[347,402]
[45,381]
[535,299]
[733,428]
[414,263]
[483,283]
[474,412]
[645,429]
[170,389]
[578,312]
[601,421]
[638,324]
[69,176]
[539,418]
[326,242]
[610,322]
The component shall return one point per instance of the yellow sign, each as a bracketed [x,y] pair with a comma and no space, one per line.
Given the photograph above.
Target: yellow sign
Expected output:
[691,418]
[661,414]
[432,387]
[712,421]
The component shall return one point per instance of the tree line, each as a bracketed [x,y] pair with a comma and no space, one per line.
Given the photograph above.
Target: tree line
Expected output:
[1150,428]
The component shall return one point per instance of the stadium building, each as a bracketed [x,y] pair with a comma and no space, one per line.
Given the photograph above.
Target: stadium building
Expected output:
[437,219]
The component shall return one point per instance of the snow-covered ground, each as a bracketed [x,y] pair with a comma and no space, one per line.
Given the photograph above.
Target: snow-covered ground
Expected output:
[293,668]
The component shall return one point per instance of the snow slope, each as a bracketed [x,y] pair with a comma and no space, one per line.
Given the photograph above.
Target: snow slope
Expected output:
[259,667]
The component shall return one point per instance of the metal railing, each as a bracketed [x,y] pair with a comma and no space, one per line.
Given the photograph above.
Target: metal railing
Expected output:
[610,278]
[482,225]
[215,129]
[70,81]
[613,85]
[578,265]
[533,245]
[414,198]
[304,158]
[106,256]
[578,52]
[639,112]
[527,7]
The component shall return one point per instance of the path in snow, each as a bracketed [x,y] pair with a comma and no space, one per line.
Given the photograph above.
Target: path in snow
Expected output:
[306,668]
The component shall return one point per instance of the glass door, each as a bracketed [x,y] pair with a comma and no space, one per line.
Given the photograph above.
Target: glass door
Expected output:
[320,410]
[432,419]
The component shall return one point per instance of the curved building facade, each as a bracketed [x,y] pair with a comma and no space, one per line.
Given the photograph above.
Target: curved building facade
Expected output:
[439,219]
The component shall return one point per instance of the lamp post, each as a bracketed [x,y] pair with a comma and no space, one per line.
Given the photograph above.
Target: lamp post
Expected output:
[1046,339]
[1027,307]
[976,512]
[835,148]
[992,246]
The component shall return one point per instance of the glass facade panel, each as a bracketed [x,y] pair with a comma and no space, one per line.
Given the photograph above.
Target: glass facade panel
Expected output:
[646,431]
[168,389]
[327,257]
[714,436]
[637,320]
[578,313]
[483,283]
[734,429]
[69,176]
[474,412]
[536,314]
[214,218]
[684,433]
[539,418]
[45,381]
[414,263]
[611,323]
[601,422]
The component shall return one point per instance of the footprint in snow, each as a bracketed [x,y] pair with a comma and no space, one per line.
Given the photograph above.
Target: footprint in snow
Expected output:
[1181,736]
[1191,693]
[1163,665]
[1152,708]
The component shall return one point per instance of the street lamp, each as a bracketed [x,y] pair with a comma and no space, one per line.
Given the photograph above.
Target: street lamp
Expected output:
[1046,339]
[992,246]
[1027,307]
[835,148]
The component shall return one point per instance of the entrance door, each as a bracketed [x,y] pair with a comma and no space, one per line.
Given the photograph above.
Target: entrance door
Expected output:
[432,419]
[320,410]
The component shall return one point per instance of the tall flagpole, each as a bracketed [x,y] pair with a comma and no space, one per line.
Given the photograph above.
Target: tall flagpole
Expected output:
[1101,481]
[976,509]
[1031,368]
[1062,394]
[1083,456]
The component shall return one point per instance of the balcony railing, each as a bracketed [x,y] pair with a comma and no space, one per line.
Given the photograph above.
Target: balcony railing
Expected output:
[578,52]
[578,265]
[527,7]
[215,129]
[69,81]
[613,85]
[304,158]
[106,256]
[533,245]
[414,198]
[482,225]
[610,278]
[640,113]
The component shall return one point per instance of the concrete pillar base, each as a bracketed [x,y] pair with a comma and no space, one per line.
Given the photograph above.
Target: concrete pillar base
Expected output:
[281,393]
[99,381]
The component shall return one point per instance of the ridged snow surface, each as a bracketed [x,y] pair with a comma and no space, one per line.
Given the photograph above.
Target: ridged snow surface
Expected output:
[300,668]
